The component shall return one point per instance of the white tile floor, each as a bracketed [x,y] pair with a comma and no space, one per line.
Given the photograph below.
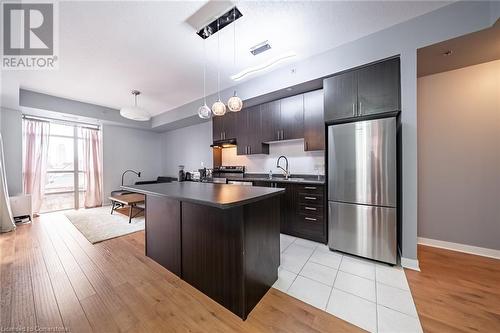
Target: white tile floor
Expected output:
[371,295]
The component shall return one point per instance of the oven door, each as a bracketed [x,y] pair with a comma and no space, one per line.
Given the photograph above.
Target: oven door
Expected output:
[242,183]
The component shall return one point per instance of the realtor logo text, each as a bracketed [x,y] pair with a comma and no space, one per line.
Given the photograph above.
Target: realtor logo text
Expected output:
[29,31]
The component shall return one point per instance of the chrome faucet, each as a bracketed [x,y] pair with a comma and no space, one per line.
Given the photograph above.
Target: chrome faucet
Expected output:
[286,172]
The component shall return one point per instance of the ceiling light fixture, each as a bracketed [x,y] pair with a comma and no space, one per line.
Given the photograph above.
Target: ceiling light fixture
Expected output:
[218,108]
[268,64]
[204,111]
[234,103]
[135,112]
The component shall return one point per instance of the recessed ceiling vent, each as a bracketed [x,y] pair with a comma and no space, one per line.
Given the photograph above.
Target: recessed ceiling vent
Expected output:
[220,23]
[261,47]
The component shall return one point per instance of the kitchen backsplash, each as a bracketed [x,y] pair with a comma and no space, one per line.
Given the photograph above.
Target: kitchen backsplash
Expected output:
[300,162]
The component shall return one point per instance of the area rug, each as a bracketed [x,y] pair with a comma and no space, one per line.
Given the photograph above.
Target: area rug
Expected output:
[97,224]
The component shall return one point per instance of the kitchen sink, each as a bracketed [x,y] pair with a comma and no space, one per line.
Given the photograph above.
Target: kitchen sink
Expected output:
[291,179]
[296,179]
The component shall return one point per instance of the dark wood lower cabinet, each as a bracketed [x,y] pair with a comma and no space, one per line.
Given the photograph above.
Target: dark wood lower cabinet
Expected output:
[302,210]
[163,232]
[232,255]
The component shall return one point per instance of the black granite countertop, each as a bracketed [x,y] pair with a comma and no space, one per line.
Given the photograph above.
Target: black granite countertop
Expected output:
[295,179]
[216,195]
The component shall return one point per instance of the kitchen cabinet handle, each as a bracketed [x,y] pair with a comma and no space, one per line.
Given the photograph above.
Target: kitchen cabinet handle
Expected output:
[310,198]
[353,110]
[310,208]
[305,145]
[310,187]
[282,135]
[310,219]
[359,110]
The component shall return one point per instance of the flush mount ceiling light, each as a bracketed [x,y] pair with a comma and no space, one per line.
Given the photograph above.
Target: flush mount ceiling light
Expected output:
[266,65]
[135,112]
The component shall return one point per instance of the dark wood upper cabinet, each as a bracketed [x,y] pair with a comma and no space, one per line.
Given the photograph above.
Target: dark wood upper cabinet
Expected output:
[217,128]
[270,124]
[225,127]
[230,125]
[284,119]
[248,138]
[314,123]
[254,130]
[340,96]
[361,92]
[242,138]
[292,117]
[378,88]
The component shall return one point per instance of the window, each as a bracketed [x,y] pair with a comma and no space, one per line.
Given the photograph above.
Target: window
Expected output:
[64,181]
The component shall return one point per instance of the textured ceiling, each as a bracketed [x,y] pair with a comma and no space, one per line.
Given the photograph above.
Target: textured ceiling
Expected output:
[109,48]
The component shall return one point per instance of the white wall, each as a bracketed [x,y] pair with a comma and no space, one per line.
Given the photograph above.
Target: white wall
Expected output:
[126,148]
[459,156]
[11,129]
[299,161]
[189,146]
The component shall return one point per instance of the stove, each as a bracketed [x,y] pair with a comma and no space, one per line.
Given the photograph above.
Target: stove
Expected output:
[221,173]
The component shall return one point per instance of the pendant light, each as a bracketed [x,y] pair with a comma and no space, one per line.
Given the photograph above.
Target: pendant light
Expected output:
[234,103]
[204,111]
[218,108]
[135,112]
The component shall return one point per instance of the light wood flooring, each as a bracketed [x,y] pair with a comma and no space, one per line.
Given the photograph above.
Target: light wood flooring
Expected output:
[52,277]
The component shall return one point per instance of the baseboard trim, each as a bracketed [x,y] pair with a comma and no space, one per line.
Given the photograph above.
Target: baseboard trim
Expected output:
[410,264]
[476,250]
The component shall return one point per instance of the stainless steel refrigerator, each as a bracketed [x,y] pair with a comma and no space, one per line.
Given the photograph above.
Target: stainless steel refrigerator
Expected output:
[362,188]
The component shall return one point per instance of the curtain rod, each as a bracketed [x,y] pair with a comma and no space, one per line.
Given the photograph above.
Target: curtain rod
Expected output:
[65,122]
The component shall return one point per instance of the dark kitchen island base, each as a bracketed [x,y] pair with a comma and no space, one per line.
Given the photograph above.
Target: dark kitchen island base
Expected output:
[231,255]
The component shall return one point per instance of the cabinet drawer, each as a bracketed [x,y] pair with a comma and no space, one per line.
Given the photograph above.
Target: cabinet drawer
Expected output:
[308,220]
[311,210]
[309,227]
[310,189]
[310,199]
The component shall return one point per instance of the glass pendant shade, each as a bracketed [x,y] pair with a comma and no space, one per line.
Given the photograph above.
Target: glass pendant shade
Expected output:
[218,108]
[204,112]
[235,103]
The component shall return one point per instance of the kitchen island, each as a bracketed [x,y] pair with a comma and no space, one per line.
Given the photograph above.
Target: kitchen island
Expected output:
[222,239]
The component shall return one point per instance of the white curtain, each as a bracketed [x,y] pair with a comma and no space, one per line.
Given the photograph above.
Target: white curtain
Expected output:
[92,167]
[6,220]
[36,142]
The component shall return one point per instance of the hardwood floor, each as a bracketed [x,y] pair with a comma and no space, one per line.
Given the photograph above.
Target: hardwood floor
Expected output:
[456,292]
[51,276]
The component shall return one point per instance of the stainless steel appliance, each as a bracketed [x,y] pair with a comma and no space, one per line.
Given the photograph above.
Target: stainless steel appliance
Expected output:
[222,173]
[362,188]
